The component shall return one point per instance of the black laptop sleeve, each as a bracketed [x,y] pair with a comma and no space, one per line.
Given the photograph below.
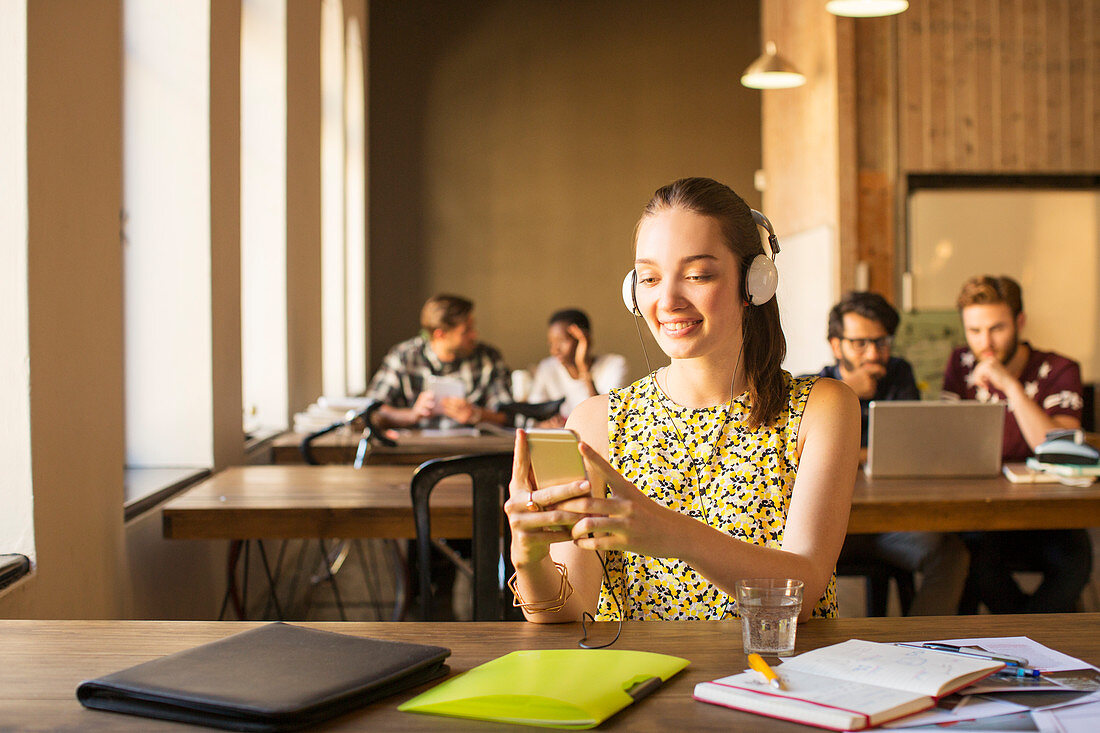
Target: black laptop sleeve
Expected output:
[273,678]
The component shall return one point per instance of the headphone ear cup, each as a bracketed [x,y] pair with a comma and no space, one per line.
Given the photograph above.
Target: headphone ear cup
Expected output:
[761,280]
[628,293]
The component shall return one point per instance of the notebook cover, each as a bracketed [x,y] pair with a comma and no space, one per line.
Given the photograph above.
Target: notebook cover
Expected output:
[273,678]
[560,688]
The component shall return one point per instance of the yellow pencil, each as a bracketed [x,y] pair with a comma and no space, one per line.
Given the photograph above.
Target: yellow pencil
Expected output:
[757,663]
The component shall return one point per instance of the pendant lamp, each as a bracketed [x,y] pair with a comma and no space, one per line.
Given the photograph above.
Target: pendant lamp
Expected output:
[771,71]
[866,8]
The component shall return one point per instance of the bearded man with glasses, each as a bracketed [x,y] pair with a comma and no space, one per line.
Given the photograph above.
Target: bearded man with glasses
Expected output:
[861,334]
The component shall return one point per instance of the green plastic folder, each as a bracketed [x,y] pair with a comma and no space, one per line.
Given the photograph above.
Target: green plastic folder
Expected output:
[554,688]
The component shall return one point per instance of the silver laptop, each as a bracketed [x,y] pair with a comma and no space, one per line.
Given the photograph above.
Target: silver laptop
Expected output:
[917,439]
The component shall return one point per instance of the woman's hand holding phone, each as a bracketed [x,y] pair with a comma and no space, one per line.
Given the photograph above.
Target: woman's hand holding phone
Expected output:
[534,514]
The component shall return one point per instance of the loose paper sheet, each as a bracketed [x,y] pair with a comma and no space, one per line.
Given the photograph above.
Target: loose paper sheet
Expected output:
[1038,656]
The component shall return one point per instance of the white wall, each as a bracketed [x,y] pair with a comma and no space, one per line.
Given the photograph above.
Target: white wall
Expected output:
[808,265]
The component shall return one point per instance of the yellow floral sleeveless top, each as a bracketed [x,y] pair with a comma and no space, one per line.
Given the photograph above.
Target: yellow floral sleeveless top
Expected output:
[744,491]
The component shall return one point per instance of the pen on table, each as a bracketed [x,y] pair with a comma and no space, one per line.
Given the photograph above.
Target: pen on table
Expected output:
[1018,672]
[974,652]
[757,663]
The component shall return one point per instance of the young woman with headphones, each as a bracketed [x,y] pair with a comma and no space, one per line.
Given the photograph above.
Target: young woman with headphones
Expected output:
[718,466]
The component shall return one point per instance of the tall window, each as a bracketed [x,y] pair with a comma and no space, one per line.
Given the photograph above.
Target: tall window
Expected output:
[16,518]
[333,255]
[263,214]
[166,229]
[356,216]
[343,205]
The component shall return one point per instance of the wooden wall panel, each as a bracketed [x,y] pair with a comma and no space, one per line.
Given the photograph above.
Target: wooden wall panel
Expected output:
[876,150]
[999,86]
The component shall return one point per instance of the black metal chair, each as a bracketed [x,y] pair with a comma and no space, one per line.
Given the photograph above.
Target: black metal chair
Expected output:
[369,435]
[489,474]
[333,558]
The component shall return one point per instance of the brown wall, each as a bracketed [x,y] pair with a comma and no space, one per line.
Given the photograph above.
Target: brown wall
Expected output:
[513,145]
[1000,86]
[986,87]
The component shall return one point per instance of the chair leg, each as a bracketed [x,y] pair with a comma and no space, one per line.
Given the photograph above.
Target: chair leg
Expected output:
[878,594]
[401,580]
[906,590]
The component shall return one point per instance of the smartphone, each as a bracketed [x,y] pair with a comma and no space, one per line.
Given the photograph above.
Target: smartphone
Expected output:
[555,457]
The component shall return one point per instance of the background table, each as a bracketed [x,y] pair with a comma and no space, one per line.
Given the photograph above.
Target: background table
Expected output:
[44,661]
[282,502]
[964,504]
[287,502]
[413,447]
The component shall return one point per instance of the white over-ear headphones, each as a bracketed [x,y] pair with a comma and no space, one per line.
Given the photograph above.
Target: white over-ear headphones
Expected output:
[761,277]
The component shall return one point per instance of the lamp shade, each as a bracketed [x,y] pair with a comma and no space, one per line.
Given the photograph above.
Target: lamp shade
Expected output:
[866,8]
[771,71]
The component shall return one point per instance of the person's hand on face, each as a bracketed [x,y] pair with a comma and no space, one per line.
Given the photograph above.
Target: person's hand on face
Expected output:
[864,379]
[580,354]
[992,374]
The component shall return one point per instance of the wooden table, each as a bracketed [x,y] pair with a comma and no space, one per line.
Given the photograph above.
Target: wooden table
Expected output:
[44,661]
[413,447]
[963,504]
[282,502]
[287,502]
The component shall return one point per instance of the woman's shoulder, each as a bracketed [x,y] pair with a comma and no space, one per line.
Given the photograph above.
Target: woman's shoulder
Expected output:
[830,400]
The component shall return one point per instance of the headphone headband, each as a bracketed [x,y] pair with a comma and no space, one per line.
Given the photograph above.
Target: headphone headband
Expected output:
[762,221]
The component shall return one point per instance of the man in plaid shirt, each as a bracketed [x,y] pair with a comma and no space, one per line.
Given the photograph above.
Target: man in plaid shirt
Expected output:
[447,346]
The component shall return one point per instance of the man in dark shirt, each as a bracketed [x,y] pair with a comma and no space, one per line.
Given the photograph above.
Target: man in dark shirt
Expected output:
[861,334]
[1043,392]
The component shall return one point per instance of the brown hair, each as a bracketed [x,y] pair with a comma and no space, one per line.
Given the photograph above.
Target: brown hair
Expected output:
[444,312]
[871,306]
[989,290]
[763,344]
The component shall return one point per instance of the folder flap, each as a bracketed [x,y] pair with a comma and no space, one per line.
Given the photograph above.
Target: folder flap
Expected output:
[574,687]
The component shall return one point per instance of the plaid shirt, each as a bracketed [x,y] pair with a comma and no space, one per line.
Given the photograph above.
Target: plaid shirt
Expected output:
[401,377]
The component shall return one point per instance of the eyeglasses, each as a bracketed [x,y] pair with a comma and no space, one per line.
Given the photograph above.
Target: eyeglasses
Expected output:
[882,343]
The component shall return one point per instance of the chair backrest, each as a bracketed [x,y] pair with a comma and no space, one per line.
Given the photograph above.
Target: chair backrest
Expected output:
[489,474]
[305,448]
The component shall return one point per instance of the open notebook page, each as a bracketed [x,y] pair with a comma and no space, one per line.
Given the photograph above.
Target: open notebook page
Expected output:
[906,668]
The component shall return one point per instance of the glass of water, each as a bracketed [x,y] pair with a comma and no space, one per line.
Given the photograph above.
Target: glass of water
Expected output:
[769,609]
